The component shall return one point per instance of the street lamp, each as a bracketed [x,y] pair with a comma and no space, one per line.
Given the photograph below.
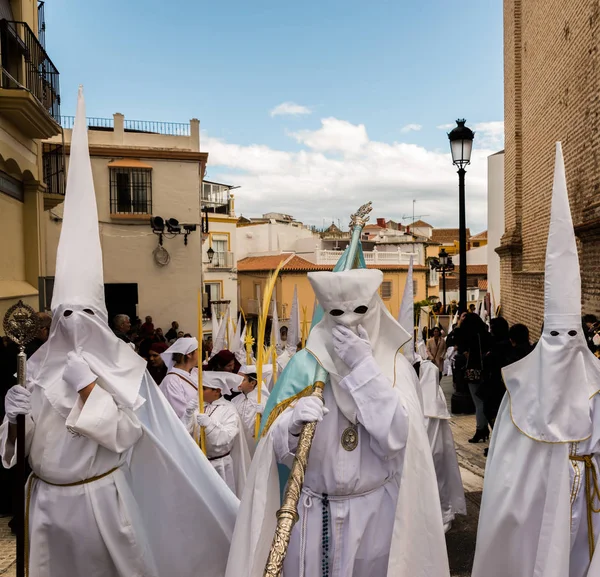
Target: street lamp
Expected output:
[461,145]
[210,253]
[443,263]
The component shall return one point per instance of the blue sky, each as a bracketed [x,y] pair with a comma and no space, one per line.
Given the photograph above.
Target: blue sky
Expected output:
[378,71]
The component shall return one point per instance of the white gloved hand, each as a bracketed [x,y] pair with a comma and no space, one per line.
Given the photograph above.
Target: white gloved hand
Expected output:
[352,349]
[203,419]
[77,373]
[307,410]
[258,407]
[17,402]
[191,408]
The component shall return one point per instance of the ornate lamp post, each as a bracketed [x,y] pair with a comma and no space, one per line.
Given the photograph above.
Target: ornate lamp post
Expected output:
[443,264]
[461,144]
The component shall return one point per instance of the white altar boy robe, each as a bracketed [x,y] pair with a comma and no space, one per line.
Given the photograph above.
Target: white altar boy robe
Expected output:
[180,387]
[246,406]
[88,442]
[362,485]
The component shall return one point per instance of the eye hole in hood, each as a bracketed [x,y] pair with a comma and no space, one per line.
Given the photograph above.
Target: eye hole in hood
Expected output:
[336,313]
[361,310]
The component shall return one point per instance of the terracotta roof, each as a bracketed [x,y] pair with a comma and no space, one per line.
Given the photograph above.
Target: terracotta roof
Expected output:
[256,263]
[296,263]
[372,227]
[482,284]
[421,224]
[473,269]
[480,236]
[442,235]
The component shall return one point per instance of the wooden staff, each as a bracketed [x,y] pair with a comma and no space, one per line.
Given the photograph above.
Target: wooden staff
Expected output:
[202,437]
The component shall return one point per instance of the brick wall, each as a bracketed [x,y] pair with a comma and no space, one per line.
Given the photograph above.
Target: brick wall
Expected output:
[552,83]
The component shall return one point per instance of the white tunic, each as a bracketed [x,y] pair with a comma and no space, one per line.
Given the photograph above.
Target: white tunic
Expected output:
[89,530]
[246,406]
[362,485]
[180,387]
[223,443]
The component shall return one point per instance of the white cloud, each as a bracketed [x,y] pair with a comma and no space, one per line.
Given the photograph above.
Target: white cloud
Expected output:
[446,126]
[289,109]
[339,168]
[490,134]
[411,128]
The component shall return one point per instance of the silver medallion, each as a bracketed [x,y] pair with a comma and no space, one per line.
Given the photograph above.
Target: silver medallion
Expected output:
[350,438]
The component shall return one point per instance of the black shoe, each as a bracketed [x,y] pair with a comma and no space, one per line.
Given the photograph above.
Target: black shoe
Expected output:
[485,452]
[480,435]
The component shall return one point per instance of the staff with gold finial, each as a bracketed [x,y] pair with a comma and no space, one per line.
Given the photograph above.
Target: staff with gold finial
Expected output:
[202,436]
[287,516]
[21,325]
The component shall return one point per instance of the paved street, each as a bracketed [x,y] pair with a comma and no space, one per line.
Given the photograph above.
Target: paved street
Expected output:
[460,539]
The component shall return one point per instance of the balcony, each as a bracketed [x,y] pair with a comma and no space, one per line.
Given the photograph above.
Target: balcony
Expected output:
[29,90]
[215,198]
[53,164]
[252,307]
[374,257]
[222,261]
[134,126]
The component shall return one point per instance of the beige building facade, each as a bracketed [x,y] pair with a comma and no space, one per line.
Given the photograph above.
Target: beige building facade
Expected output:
[551,79]
[30,182]
[143,170]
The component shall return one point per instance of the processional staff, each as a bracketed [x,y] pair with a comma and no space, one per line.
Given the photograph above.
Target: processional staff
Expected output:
[21,325]
[287,516]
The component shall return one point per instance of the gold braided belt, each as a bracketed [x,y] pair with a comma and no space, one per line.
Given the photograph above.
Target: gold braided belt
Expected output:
[592,495]
[32,480]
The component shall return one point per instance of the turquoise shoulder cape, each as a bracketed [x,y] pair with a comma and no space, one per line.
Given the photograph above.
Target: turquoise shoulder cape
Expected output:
[298,377]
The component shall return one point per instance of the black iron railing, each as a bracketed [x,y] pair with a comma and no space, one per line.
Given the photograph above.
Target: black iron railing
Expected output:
[42,24]
[130,191]
[53,159]
[26,66]
[139,126]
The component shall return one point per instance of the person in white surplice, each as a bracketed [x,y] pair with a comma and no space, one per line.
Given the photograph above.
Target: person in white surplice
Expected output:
[180,385]
[369,506]
[226,448]
[441,440]
[540,510]
[114,470]
[247,404]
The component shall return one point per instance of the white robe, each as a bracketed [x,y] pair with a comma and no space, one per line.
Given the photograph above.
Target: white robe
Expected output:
[180,387]
[376,528]
[534,505]
[437,418]
[246,408]
[225,448]
[90,530]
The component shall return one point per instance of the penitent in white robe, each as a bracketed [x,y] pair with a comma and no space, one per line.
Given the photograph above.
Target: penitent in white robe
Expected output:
[225,448]
[180,387]
[362,485]
[437,418]
[246,406]
[536,505]
[102,515]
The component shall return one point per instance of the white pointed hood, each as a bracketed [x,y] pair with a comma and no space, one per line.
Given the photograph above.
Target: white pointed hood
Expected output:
[79,278]
[550,389]
[79,320]
[349,291]
[406,317]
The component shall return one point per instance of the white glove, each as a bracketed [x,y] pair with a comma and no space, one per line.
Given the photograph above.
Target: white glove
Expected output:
[259,408]
[190,410]
[307,410]
[77,372]
[17,402]
[352,349]
[203,419]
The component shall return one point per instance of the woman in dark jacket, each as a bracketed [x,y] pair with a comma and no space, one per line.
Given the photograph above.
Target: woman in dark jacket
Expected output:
[492,388]
[474,342]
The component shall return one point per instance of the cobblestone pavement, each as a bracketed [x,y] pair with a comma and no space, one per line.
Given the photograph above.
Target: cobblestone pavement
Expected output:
[460,539]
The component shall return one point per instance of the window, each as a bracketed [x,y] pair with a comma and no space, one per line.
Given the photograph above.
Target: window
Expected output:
[130,190]
[415,287]
[475,244]
[220,244]
[213,292]
[386,289]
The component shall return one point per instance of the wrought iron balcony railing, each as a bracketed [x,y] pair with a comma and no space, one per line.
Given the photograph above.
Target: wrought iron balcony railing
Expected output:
[140,126]
[26,66]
